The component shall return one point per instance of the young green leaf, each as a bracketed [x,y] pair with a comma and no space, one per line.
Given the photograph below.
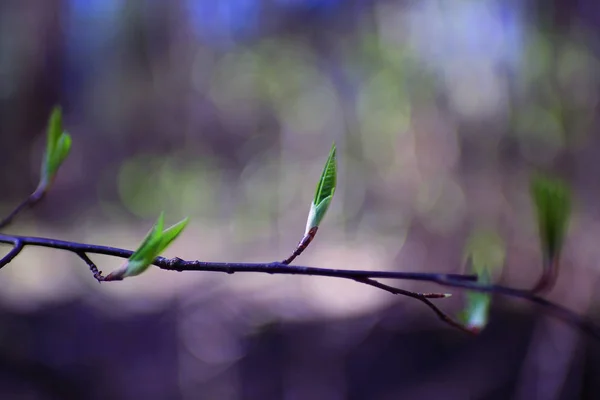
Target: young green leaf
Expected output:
[326,185]
[485,253]
[170,234]
[155,242]
[324,192]
[151,241]
[58,146]
[54,129]
[552,200]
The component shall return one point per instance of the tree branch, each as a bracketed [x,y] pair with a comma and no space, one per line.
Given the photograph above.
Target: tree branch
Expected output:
[277,268]
[177,264]
[97,273]
[302,245]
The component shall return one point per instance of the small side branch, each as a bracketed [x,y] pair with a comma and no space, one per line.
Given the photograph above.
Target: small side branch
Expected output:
[95,271]
[422,297]
[29,202]
[17,248]
[548,278]
[302,245]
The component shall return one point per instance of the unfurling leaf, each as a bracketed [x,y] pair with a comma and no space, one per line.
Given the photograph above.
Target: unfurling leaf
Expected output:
[155,242]
[324,193]
[552,200]
[484,253]
[58,146]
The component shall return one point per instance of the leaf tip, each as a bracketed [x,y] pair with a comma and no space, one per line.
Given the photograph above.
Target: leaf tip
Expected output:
[58,147]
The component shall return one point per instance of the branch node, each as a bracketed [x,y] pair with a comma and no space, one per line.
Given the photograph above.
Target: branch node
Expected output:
[175,264]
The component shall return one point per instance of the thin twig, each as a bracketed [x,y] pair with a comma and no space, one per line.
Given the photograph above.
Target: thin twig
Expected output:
[29,202]
[302,245]
[17,247]
[95,271]
[422,297]
[548,277]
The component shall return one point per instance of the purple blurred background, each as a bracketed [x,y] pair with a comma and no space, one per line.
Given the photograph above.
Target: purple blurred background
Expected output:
[224,111]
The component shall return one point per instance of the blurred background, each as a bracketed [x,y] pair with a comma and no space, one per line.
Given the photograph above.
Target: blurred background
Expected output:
[225,111]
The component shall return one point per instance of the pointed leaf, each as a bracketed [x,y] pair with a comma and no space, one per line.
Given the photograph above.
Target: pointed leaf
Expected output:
[552,200]
[171,233]
[326,185]
[160,223]
[54,129]
[58,145]
[324,192]
[151,240]
[155,242]
[63,147]
[485,253]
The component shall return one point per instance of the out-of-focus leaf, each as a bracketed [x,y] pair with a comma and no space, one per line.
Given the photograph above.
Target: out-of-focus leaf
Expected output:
[155,242]
[552,200]
[324,192]
[58,146]
[485,254]
[53,130]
